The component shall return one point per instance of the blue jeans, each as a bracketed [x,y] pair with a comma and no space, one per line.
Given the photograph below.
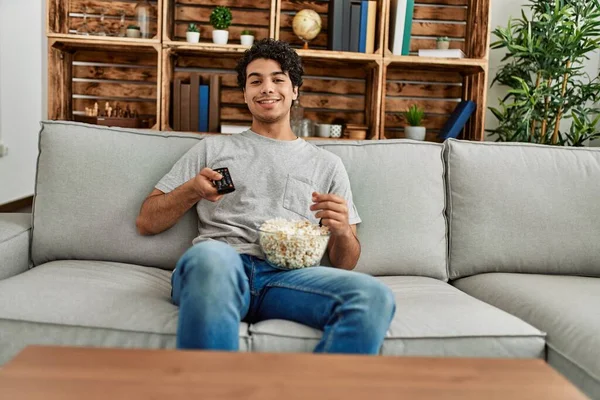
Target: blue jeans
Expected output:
[216,288]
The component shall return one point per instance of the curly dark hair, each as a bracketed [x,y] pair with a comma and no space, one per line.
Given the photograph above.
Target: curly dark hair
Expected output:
[276,50]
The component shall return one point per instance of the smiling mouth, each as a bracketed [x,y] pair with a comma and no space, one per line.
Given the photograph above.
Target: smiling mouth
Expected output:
[268,101]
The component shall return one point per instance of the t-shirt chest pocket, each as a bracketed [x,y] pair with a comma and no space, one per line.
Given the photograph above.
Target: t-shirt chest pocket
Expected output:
[298,197]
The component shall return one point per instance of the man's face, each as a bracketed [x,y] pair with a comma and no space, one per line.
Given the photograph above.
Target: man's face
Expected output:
[269,92]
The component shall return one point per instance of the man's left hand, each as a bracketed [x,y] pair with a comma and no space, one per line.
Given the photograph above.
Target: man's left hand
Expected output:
[333,212]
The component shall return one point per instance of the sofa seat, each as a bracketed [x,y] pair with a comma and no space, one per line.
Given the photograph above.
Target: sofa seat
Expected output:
[566,307]
[94,303]
[432,319]
[89,303]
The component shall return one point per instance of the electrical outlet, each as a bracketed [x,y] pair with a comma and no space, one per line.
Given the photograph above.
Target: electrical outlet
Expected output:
[3,150]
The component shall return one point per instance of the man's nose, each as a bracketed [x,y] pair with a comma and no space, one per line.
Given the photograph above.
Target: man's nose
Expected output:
[267,87]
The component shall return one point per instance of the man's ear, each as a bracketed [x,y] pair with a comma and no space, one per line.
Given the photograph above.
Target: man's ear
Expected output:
[245,100]
[295,93]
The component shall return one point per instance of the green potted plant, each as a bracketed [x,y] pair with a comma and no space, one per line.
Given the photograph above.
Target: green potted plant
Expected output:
[414,118]
[442,43]
[220,19]
[247,37]
[133,31]
[543,72]
[192,35]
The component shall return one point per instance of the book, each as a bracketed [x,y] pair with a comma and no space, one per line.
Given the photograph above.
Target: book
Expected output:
[176,104]
[203,108]
[354,26]
[397,19]
[362,30]
[459,117]
[194,88]
[442,53]
[371,23]
[214,103]
[335,25]
[410,7]
[184,119]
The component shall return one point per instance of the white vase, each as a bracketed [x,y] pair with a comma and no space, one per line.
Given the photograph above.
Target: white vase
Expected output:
[247,40]
[192,37]
[133,33]
[220,36]
[415,132]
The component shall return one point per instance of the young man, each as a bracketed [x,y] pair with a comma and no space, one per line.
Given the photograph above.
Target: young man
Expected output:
[223,279]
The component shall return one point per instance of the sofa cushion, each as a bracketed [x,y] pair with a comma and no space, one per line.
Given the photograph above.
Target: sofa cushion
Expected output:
[398,188]
[566,307]
[90,184]
[15,232]
[432,319]
[517,207]
[89,303]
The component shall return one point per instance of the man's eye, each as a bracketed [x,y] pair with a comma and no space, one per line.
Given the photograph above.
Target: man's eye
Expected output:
[278,80]
[254,82]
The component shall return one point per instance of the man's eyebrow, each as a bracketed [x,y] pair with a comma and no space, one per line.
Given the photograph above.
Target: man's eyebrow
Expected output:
[260,75]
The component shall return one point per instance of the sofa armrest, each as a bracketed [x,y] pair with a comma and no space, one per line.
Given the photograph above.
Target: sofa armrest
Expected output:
[15,235]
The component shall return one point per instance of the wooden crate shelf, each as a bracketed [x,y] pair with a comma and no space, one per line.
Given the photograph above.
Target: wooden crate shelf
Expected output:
[82,73]
[340,87]
[64,17]
[256,15]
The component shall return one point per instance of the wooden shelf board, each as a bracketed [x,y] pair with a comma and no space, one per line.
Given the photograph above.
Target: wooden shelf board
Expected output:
[434,63]
[205,47]
[95,40]
[337,55]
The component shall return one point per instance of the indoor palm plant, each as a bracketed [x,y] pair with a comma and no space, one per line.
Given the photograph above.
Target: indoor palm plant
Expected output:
[220,19]
[544,72]
[414,118]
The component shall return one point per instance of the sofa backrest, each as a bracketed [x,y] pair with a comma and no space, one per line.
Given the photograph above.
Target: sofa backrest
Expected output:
[91,182]
[399,191]
[517,207]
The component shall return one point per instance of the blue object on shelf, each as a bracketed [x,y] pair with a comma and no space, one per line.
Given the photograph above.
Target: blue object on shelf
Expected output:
[457,120]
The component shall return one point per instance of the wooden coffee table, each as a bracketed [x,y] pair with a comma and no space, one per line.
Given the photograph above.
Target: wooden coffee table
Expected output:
[83,373]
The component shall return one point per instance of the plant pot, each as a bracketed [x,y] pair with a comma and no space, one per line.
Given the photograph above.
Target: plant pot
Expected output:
[443,45]
[220,36]
[192,37]
[415,132]
[247,40]
[133,33]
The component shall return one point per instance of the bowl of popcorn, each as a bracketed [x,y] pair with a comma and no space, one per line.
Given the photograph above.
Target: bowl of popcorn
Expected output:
[293,244]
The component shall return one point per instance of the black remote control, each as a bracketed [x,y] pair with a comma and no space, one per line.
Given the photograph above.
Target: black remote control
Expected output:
[224,185]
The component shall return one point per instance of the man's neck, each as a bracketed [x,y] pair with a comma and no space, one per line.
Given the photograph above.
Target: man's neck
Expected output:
[278,130]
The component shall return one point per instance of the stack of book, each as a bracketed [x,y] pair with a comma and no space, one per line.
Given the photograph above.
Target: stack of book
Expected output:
[196,104]
[401,16]
[351,25]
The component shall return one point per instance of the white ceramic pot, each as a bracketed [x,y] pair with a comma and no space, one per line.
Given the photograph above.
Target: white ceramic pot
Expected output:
[246,40]
[192,37]
[443,45]
[323,130]
[220,36]
[133,33]
[415,132]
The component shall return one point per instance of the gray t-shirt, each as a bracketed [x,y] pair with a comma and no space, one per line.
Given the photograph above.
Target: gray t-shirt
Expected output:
[272,178]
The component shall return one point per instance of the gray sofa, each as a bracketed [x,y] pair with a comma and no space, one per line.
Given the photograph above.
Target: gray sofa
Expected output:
[491,249]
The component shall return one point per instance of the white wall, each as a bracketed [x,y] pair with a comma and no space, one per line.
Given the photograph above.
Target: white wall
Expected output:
[22,93]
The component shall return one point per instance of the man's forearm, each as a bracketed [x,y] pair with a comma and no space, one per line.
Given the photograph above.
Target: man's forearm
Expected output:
[161,212]
[344,251]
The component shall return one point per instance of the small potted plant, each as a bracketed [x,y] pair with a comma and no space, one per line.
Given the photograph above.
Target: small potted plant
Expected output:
[443,43]
[414,117]
[220,19]
[192,35]
[247,37]
[133,31]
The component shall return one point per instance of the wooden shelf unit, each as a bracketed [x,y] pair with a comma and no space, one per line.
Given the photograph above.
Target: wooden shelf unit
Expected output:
[339,87]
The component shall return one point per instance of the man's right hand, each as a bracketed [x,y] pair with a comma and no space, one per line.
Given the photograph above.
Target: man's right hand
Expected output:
[203,182]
